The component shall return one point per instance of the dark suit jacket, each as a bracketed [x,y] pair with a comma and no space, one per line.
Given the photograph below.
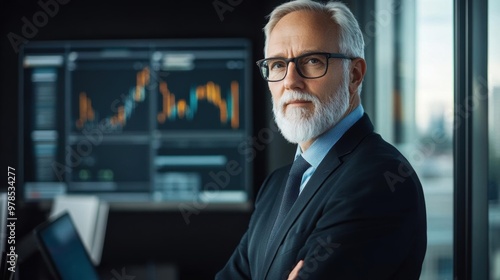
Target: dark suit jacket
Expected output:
[360,216]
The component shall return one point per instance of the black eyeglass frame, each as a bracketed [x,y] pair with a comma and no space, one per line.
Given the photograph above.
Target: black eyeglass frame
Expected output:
[295,59]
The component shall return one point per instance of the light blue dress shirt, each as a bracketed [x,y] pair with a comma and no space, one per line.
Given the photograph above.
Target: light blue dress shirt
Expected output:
[320,147]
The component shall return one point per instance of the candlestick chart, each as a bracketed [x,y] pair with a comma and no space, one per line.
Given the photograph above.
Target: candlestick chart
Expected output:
[114,99]
[209,93]
[205,104]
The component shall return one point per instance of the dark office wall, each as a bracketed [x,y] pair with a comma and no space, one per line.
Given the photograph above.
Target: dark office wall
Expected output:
[139,237]
[147,19]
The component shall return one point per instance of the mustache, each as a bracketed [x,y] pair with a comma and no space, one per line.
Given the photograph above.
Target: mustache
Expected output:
[289,96]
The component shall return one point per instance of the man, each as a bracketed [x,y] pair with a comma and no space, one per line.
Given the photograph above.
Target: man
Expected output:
[357,211]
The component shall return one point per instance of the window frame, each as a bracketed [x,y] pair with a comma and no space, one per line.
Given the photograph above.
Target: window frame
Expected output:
[471,140]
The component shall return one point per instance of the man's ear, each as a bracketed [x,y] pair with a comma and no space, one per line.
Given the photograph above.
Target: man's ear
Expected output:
[357,73]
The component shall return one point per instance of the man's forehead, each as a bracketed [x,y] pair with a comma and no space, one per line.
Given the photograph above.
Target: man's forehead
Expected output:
[303,31]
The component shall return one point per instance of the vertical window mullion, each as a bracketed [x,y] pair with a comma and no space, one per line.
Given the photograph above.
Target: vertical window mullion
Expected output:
[470,144]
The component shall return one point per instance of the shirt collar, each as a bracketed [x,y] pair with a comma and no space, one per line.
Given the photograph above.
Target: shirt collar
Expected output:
[320,147]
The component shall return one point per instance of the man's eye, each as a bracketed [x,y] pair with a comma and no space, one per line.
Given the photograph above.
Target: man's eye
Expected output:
[277,65]
[313,61]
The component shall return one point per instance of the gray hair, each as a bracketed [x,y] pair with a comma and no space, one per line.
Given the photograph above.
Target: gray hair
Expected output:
[351,42]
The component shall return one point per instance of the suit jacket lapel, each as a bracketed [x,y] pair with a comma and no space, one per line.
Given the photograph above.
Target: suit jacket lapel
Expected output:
[329,164]
[266,229]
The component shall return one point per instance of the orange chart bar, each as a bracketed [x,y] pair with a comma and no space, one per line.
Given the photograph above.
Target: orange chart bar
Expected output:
[86,111]
[235,119]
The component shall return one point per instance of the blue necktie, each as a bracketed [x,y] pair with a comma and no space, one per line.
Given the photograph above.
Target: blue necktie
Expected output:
[299,166]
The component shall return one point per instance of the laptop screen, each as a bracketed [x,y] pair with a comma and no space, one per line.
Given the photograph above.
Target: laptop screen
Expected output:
[64,249]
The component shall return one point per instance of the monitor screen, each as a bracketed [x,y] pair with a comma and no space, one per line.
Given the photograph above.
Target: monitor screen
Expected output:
[63,249]
[136,121]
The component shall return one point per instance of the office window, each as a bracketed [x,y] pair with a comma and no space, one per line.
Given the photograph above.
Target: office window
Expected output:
[494,137]
[414,108]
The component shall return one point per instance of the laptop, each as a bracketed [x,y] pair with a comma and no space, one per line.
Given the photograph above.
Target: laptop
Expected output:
[63,249]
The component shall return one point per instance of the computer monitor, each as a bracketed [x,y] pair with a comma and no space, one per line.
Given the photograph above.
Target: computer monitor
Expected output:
[63,250]
[137,120]
[3,229]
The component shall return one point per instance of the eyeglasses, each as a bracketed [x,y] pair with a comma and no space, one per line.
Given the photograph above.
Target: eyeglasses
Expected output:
[309,65]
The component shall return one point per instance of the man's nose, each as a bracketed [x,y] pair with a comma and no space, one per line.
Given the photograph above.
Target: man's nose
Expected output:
[292,79]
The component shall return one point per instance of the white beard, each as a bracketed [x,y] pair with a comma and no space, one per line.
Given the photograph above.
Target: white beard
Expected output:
[299,125]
